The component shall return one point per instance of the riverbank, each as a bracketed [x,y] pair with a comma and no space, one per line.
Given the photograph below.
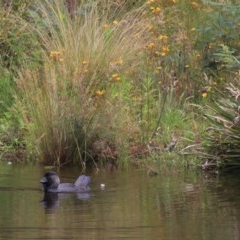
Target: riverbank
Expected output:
[102,82]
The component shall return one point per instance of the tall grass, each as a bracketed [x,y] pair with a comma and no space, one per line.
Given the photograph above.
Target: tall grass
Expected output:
[73,98]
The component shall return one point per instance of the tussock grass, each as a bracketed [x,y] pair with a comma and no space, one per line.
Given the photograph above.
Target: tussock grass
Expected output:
[73,97]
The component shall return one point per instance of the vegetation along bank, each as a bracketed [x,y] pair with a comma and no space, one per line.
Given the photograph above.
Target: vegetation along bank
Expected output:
[153,83]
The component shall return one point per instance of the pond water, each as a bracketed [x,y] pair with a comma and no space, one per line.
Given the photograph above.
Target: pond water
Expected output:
[186,205]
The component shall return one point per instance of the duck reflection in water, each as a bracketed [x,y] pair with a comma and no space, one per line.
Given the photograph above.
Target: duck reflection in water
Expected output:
[53,189]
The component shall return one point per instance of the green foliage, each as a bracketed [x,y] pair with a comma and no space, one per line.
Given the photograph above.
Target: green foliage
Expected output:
[6,92]
[12,144]
[219,27]
[229,58]
[20,6]
[18,43]
[223,137]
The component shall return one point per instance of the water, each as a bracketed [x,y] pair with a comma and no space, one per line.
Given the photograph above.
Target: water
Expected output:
[187,205]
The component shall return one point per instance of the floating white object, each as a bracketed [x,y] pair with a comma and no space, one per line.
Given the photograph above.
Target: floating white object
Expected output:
[9,163]
[102,185]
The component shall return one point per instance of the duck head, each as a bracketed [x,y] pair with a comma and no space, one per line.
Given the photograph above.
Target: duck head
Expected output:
[50,181]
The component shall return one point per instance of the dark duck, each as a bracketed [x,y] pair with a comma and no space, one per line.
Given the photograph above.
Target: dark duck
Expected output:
[51,183]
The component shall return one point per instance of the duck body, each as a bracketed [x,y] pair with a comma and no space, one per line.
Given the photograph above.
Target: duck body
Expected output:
[51,183]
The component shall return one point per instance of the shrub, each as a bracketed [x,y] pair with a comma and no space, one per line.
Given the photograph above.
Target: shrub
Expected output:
[18,43]
[222,144]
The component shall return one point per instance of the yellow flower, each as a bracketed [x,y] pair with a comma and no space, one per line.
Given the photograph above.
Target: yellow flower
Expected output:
[151,45]
[100,93]
[116,77]
[157,10]
[105,26]
[195,5]
[84,62]
[158,69]
[115,22]
[205,91]
[163,37]
[56,55]
[119,62]
[150,1]
[165,50]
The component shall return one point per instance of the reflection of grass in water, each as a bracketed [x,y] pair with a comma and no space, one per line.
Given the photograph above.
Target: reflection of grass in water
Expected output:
[166,162]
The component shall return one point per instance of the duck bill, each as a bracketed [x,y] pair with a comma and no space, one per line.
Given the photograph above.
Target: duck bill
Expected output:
[43,180]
